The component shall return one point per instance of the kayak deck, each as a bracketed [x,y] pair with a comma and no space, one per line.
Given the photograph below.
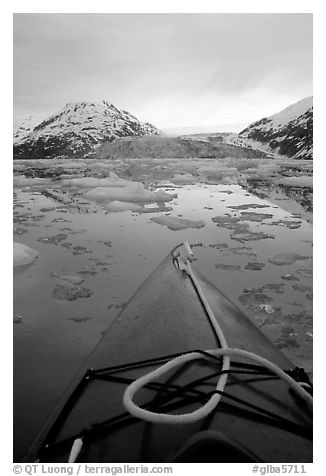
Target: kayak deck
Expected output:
[166,316]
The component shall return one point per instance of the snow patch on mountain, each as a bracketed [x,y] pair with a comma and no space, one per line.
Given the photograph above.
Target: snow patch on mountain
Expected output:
[289,132]
[23,125]
[78,129]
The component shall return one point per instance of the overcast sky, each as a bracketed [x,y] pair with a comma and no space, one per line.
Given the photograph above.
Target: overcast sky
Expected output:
[174,70]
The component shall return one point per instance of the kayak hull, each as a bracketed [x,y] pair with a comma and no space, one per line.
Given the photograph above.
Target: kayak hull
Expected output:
[166,316]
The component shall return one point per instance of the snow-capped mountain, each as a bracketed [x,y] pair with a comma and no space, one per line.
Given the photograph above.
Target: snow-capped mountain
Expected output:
[78,129]
[22,126]
[289,132]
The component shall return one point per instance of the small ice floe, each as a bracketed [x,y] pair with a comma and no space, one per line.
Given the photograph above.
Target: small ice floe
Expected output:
[282,259]
[22,181]
[71,231]
[227,222]
[80,250]
[287,338]
[114,188]
[255,265]
[240,230]
[218,246]
[47,209]
[289,277]
[88,271]
[23,255]
[258,296]
[228,267]
[291,224]
[76,280]
[254,216]
[260,304]
[271,288]
[159,208]
[131,192]
[65,293]
[304,181]
[22,217]
[303,318]
[247,205]
[267,308]
[92,182]
[175,223]
[254,297]
[80,319]
[53,240]
[104,263]
[19,231]
[248,235]
[242,250]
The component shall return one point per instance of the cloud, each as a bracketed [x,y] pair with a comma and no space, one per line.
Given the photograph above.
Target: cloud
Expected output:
[170,67]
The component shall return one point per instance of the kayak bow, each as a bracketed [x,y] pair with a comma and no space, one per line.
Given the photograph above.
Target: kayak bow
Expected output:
[223,407]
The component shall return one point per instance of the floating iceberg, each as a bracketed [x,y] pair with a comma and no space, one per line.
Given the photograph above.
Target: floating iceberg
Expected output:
[23,255]
[175,223]
[184,179]
[118,206]
[91,182]
[22,181]
[301,181]
[129,192]
[286,258]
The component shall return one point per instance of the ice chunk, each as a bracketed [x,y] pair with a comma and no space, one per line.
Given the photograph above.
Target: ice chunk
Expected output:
[90,182]
[286,258]
[289,277]
[65,293]
[227,221]
[75,280]
[118,206]
[228,267]
[184,179]
[248,235]
[301,181]
[176,223]
[255,265]
[22,181]
[131,192]
[23,255]
[247,205]
[254,216]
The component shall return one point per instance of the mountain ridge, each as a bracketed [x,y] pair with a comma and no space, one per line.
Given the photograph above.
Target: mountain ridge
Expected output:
[86,129]
[78,128]
[288,132]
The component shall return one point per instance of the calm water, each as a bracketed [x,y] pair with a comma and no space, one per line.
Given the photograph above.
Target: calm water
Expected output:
[120,250]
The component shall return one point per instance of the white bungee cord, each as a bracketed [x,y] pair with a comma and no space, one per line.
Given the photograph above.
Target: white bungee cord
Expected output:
[225,352]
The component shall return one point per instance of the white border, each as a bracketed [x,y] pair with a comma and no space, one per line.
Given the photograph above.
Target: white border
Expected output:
[167,6]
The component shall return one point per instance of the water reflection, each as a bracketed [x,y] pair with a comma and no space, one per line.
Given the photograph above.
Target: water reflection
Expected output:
[86,246]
